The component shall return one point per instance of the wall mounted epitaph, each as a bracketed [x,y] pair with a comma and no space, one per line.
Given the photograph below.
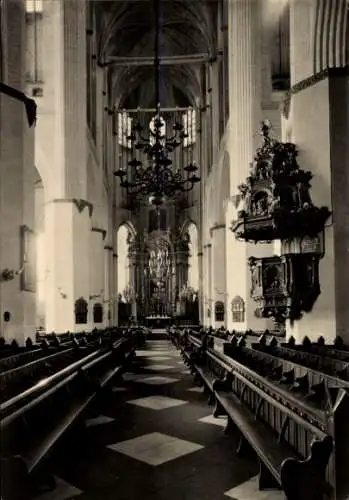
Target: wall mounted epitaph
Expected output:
[219,311]
[285,287]
[81,308]
[276,203]
[238,309]
[98,313]
[28,259]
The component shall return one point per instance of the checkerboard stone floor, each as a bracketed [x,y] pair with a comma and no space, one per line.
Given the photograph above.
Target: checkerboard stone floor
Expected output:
[153,437]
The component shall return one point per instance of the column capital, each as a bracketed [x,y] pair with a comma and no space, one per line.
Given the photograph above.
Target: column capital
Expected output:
[217,226]
[78,202]
[103,232]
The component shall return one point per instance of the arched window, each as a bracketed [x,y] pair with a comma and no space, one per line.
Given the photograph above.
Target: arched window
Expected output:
[123,259]
[33,6]
[124,129]
[219,311]
[238,309]
[152,129]
[34,41]
[81,308]
[189,124]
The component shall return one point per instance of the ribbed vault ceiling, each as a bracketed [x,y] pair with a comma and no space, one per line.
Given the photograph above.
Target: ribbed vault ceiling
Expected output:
[127,27]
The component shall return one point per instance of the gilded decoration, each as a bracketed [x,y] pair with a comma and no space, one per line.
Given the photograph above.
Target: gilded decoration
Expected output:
[276,202]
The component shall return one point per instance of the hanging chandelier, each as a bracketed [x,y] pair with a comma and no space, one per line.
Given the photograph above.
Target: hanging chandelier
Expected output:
[157,177]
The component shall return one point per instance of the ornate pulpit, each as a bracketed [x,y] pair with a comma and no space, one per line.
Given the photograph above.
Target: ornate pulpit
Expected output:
[275,199]
[275,204]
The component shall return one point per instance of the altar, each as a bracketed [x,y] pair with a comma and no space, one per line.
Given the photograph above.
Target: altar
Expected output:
[158,321]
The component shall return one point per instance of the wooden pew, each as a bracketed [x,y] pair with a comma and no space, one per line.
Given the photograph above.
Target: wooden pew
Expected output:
[23,376]
[45,344]
[279,426]
[34,422]
[332,365]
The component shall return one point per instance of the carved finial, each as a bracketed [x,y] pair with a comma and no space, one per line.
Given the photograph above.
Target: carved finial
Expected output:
[273,343]
[339,342]
[306,342]
[321,341]
[291,341]
[262,341]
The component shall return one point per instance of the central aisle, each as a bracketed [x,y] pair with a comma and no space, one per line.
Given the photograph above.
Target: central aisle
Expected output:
[153,437]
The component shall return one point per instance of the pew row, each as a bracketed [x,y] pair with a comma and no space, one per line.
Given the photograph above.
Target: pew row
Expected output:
[46,344]
[293,439]
[34,422]
[18,379]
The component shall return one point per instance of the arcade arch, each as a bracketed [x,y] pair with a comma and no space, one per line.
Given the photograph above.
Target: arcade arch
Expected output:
[123,271]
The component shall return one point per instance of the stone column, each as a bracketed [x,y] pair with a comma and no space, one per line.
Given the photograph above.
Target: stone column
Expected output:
[245,94]
[62,138]
[96,265]
[318,119]
[113,299]
[41,270]
[17,180]
[201,290]
[209,284]
[219,266]
[270,14]
[108,279]
[205,284]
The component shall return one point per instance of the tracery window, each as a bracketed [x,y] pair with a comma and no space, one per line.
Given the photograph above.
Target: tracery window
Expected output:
[238,309]
[189,124]
[34,41]
[124,129]
[33,6]
[152,129]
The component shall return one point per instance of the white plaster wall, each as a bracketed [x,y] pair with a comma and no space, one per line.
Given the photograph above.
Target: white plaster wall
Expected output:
[309,119]
[17,178]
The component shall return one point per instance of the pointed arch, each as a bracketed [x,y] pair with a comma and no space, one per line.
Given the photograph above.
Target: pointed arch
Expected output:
[126,232]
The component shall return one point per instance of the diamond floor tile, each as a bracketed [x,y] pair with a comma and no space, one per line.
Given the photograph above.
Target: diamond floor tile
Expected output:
[210,419]
[158,402]
[158,380]
[250,491]
[150,354]
[159,358]
[195,389]
[135,377]
[119,389]
[159,367]
[101,419]
[155,448]
[63,491]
